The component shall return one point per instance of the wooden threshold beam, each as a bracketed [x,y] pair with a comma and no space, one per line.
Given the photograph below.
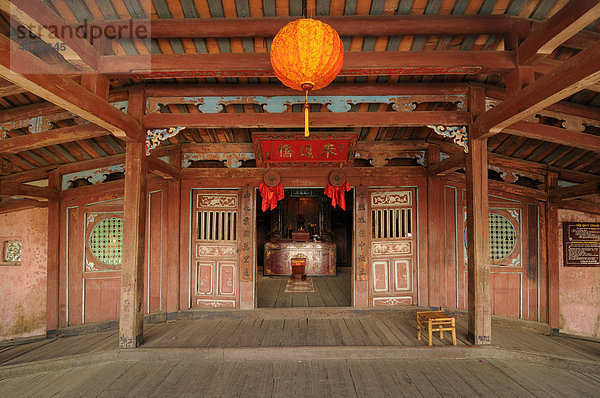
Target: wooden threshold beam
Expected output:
[44,23]
[163,169]
[569,20]
[44,82]
[447,166]
[574,75]
[21,204]
[355,63]
[51,137]
[292,120]
[27,191]
[553,134]
[575,191]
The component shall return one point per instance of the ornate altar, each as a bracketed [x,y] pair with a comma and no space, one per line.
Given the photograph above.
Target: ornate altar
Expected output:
[320,257]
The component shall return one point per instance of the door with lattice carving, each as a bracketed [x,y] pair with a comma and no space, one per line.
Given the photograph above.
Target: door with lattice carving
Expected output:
[215,248]
[393,257]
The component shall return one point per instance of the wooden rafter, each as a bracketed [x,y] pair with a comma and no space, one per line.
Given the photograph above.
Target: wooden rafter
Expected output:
[447,166]
[575,74]
[21,204]
[292,120]
[568,21]
[576,191]
[556,135]
[258,64]
[10,188]
[163,169]
[44,82]
[43,22]
[50,137]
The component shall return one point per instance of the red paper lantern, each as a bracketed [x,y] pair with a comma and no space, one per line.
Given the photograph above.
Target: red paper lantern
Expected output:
[307,54]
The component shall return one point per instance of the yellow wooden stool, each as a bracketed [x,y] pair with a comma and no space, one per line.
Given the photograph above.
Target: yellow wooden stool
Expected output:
[436,321]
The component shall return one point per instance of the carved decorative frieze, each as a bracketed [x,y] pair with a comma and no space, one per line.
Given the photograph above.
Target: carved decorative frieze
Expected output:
[388,301]
[280,104]
[389,199]
[215,303]
[90,177]
[217,201]
[231,160]
[391,248]
[204,250]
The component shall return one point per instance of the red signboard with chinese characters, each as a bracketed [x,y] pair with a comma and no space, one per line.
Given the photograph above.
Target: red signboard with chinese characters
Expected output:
[293,149]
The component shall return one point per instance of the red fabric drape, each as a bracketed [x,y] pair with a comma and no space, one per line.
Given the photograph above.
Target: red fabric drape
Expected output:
[337,194]
[270,195]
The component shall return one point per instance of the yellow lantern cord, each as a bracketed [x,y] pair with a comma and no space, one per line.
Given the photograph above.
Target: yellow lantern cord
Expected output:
[306,111]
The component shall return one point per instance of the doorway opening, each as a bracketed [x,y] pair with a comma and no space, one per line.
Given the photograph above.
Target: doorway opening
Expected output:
[304,227]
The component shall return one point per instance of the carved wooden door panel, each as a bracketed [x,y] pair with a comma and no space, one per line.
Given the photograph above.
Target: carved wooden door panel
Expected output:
[215,249]
[393,258]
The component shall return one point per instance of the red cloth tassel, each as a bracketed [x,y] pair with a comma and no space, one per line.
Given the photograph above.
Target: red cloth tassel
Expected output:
[270,195]
[337,194]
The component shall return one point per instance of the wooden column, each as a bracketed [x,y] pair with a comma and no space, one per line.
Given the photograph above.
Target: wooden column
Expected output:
[552,235]
[173,246]
[479,304]
[362,248]
[435,231]
[134,235]
[52,270]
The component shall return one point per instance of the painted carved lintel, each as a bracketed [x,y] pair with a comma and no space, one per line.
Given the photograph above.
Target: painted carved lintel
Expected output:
[457,133]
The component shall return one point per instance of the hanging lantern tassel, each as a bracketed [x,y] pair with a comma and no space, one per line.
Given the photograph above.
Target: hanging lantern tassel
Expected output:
[306,87]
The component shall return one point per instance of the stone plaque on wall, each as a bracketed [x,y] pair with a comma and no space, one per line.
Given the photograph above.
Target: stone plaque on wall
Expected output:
[581,244]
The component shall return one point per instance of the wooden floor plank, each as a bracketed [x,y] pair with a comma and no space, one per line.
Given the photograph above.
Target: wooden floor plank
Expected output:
[283,378]
[340,379]
[123,384]
[398,372]
[536,389]
[146,386]
[431,372]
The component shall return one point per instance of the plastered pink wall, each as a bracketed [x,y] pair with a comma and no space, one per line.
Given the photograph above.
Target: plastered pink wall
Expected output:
[579,288]
[23,288]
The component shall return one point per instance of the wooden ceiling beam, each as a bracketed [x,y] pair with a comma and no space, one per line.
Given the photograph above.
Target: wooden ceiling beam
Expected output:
[575,74]
[44,23]
[576,191]
[579,205]
[163,169]
[553,134]
[396,25]
[296,120]
[11,188]
[447,166]
[346,89]
[569,20]
[62,91]
[355,63]
[50,137]
[21,204]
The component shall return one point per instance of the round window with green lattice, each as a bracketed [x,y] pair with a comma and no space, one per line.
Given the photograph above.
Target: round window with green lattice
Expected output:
[503,237]
[106,241]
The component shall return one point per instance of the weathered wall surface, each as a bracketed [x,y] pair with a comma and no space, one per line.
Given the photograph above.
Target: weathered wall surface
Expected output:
[23,287]
[579,288]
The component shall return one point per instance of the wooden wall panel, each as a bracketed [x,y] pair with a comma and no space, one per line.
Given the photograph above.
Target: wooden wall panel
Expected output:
[154,270]
[450,271]
[102,298]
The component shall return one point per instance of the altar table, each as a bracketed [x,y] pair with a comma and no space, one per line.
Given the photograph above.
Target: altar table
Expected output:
[320,257]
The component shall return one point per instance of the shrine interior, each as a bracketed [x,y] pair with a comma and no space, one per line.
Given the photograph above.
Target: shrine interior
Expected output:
[328,249]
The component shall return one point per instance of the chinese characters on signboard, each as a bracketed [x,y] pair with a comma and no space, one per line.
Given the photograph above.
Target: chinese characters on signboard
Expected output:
[295,149]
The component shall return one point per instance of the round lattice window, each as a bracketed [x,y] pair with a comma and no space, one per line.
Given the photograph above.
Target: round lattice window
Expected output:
[106,241]
[503,237]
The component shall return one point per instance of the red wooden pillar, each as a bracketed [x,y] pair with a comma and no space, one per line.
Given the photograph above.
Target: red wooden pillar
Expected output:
[553,256]
[435,236]
[479,299]
[52,273]
[173,222]
[131,324]
[362,248]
